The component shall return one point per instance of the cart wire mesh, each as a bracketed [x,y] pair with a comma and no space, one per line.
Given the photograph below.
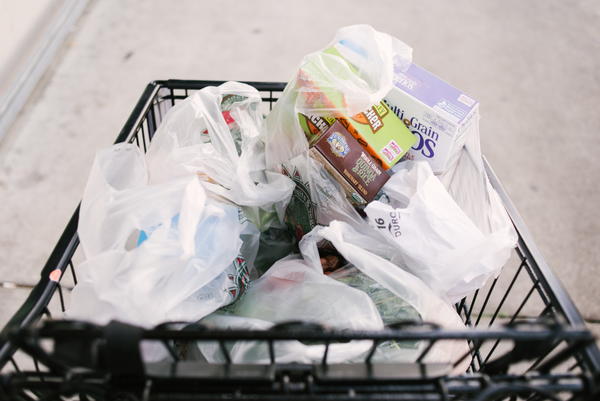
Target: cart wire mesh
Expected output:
[526,338]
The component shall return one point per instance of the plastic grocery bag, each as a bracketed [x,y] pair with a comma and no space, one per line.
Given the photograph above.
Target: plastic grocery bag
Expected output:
[326,85]
[469,185]
[361,250]
[218,133]
[156,253]
[157,282]
[293,291]
[354,72]
[114,170]
[434,239]
[317,197]
[392,309]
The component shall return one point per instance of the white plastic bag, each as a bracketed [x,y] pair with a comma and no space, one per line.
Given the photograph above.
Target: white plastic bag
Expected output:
[317,197]
[290,291]
[361,250]
[432,235]
[117,202]
[114,171]
[372,56]
[468,183]
[218,133]
[155,253]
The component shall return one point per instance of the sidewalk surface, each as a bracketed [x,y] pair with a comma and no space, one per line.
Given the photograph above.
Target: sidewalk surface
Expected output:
[534,66]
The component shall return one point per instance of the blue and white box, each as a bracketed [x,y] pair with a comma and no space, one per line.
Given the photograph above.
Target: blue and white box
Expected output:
[438,114]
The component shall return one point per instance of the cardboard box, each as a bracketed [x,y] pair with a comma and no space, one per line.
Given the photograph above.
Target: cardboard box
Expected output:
[348,162]
[440,116]
[383,135]
[377,129]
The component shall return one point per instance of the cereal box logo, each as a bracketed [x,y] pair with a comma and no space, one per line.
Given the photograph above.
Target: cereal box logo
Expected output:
[388,154]
[339,146]
[391,151]
[372,117]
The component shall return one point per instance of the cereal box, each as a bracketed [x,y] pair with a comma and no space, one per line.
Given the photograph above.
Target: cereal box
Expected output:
[348,162]
[438,114]
[378,130]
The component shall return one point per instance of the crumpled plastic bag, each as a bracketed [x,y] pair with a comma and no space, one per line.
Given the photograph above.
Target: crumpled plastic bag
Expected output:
[218,133]
[467,182]
[354,72]
[392,309]
[317,197]
[115,173]
[292,291]
[298,290]
[362,251]
[353,88]
[155,253]
[433,237]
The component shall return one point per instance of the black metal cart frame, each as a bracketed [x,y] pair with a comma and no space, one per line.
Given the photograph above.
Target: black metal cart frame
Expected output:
[527,339]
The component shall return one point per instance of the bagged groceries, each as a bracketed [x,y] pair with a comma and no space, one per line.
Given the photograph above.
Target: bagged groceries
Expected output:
[334,87]
[376,293]
[446,122]
[293,290]
[217,133]
[360,249]
[156,252]
[434,237]
[359,203]
[337,93]
[317,198]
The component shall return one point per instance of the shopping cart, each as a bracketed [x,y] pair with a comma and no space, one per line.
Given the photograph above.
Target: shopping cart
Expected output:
[526,338]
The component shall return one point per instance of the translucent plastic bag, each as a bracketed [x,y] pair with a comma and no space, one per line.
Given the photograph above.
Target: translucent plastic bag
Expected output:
[115,171]
[317,198]
[156,252]
[468,183]
[354,72]
[333,87]
[218,133]
[433,237]
[393,310]
[292,291]
[361,250]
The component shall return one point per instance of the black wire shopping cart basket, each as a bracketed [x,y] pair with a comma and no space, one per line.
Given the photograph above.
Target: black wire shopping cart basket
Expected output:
[526,338]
